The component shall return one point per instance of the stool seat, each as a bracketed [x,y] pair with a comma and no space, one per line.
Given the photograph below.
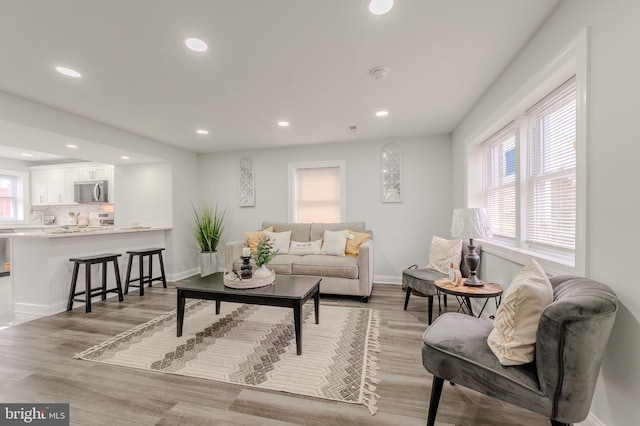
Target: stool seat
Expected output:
[144,279]
[89,291]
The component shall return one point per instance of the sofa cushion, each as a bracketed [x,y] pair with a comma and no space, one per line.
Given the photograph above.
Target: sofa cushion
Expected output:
[317,229]
[326,266]
[299,231]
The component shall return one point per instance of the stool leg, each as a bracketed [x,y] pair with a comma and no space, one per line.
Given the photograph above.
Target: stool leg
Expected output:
[164,279]
[74,280]
[140,268]
[150,269]
[104,280]
[406,298]
[87,292]
[126,283]
[116,269]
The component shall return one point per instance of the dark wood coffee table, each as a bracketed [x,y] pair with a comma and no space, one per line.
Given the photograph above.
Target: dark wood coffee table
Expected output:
[286,292]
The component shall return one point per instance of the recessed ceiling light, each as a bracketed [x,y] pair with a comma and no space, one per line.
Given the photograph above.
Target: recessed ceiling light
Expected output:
[68,72]
[196,44]
[72,146]
[24,154]
[382,113]
[125,157]
[380,7]
[283,123]
[202,132]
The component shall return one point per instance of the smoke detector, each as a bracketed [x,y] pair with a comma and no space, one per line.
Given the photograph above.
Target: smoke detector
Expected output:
[379,72]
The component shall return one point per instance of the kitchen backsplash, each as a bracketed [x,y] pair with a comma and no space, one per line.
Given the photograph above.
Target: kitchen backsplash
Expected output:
[61,213]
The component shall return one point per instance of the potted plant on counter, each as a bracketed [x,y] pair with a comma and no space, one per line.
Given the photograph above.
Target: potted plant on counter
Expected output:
[208,224]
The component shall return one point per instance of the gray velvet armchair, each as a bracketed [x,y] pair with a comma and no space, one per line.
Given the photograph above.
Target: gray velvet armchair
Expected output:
[571,339]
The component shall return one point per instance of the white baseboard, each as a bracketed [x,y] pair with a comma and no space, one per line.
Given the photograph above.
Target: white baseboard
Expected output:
[591,420]
[183,274]
[387,279]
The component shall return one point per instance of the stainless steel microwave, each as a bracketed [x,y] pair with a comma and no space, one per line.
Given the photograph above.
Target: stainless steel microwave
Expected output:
[91,191]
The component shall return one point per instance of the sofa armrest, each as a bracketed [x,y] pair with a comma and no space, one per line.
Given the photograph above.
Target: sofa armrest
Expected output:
[232,251]
[365,268]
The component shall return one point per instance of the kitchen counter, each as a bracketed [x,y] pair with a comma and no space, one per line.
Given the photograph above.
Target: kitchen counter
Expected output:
[40,267]
[58,231]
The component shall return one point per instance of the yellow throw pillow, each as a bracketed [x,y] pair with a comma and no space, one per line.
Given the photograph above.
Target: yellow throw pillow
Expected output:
[353,245]
[254,237]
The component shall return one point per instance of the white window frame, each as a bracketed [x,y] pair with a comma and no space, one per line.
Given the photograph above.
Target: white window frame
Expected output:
[570,61]
[293,167]
[22,196]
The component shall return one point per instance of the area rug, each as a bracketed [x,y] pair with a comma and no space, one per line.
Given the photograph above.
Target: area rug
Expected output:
[256,346]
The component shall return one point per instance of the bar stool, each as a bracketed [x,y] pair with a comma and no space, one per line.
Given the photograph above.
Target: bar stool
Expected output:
[89,291]
[141,277]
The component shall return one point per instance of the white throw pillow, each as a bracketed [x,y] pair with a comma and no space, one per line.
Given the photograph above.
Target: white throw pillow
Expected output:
[335,242]
[443,253]
[513,338]
[280,241]
[305,247]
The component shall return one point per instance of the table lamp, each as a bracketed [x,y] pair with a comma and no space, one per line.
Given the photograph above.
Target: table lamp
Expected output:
[471,223]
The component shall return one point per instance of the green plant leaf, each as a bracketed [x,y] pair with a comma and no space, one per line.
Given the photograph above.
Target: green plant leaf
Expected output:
[207,225]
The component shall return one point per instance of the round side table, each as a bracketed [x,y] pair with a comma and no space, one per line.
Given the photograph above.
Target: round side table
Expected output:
[465,293]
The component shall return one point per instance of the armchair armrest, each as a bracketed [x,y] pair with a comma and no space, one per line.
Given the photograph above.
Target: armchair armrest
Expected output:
[365,268]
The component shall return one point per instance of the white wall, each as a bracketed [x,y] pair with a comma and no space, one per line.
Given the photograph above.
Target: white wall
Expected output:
[612,158]
[402,231]
[183,167]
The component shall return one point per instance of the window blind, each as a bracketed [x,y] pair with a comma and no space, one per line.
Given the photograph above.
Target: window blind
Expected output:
[317,195]
[551,170]
[8,197]
[499,153]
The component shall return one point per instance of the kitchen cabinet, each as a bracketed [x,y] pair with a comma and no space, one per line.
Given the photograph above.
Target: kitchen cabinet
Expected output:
[53,185]
[94,172]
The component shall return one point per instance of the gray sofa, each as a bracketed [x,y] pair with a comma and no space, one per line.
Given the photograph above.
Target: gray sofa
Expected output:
[345,275]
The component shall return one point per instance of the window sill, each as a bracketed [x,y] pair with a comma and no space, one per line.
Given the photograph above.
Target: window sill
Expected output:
[552,264]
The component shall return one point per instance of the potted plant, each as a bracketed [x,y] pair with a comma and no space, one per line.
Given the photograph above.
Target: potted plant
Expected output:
[208,224]
[263,255]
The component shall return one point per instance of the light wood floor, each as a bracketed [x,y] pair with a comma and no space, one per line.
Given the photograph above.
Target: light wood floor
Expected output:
[36,366]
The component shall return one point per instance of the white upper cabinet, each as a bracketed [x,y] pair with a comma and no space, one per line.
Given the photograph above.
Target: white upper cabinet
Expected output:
[53,185]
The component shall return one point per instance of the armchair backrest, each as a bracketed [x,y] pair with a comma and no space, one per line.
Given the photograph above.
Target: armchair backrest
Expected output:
[572,336]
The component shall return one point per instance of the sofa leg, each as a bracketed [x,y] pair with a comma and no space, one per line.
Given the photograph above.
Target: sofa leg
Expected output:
[436,391]
[365,299]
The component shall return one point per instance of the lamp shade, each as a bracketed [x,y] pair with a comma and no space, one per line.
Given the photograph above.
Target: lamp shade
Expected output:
[471,223]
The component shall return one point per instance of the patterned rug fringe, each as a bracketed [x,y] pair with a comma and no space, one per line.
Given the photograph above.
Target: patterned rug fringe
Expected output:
[370,398]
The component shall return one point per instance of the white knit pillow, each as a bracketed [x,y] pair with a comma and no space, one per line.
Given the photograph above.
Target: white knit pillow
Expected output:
[280,241]
[513,338]
[443,253]
[335,242]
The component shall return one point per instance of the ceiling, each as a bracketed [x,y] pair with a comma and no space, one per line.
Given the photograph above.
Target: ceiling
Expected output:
[306,62]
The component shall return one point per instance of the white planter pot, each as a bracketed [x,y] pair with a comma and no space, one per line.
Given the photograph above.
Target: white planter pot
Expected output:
[208,263]
[261,273]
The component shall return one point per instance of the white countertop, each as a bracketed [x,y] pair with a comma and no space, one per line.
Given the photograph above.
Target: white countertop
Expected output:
[57,231]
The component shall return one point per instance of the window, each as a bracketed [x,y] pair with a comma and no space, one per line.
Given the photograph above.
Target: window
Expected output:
[317,192]
[500,181]
[529,176]
[9,197]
